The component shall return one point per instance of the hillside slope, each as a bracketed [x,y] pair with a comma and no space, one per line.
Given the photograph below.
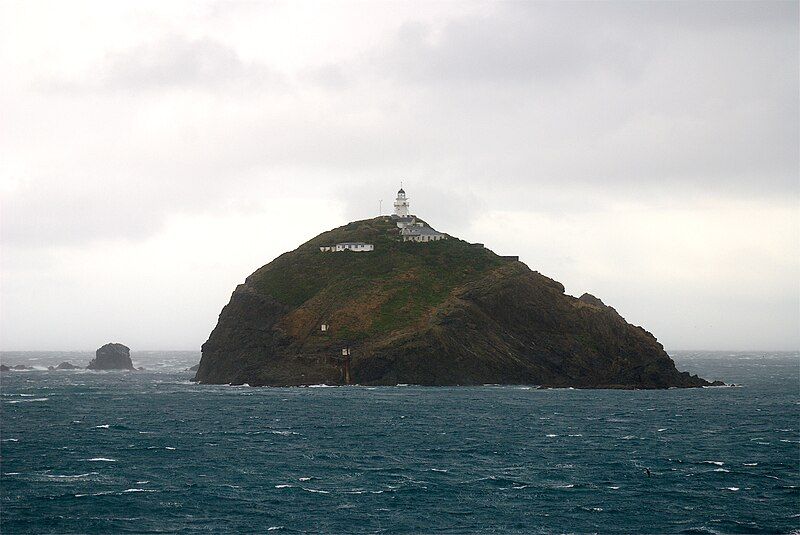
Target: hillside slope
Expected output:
[439,313]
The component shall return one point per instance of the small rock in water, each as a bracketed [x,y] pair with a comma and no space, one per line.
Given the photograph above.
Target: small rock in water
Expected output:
[112,357]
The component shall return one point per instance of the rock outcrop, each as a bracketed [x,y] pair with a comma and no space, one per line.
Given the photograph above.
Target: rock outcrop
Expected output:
[112,357]
[17,367]
[439,313]
[64,366]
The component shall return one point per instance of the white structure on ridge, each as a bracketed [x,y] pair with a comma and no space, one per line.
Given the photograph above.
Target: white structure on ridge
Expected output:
[355,246]
[401,204]
[411,229]
[420,232]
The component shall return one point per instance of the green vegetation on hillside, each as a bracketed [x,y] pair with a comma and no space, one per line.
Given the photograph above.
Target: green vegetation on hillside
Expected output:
[409,279]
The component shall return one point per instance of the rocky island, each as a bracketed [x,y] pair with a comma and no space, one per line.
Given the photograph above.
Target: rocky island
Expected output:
[64,366]
[410,310]
[112,357]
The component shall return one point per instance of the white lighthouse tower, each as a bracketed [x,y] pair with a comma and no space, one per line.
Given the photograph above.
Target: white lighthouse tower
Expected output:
[401,203]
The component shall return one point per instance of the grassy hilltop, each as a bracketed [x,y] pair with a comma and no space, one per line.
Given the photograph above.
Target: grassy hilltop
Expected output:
[363,294]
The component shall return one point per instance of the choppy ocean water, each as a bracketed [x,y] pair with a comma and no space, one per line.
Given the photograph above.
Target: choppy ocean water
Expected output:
[150,451]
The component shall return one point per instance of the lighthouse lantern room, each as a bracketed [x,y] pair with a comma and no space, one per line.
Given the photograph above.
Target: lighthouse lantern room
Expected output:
[401,203]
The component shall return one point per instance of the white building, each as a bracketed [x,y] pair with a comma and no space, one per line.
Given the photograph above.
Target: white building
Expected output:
[401,204]
[411,229]
[421,233]
[355,246]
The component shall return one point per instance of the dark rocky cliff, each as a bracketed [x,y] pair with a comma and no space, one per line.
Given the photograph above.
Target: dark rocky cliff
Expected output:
[440,313]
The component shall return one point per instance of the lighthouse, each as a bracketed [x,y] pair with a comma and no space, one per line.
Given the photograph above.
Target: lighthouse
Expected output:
[401,204]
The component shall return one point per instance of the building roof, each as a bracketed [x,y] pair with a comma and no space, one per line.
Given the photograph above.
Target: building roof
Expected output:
[352,243]
[420,231]
[402,191]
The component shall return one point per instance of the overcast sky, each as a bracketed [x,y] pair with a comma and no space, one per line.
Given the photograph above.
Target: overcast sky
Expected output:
[153,154]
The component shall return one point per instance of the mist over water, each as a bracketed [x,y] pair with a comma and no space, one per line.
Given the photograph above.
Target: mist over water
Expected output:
[151,451]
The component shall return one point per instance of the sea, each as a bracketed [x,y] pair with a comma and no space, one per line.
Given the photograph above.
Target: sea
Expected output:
[152,452]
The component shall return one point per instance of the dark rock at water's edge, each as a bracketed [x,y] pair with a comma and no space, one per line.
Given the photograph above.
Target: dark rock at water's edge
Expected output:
[4,368]
[437,313]
[193,368]
[112,357]
[64,366]
[21,367]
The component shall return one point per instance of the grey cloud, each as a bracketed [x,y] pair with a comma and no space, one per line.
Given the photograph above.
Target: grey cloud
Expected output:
[703,16]
[35,219]
[175,62]
[625,97]
[561,42]
[506,48]
[565,44]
